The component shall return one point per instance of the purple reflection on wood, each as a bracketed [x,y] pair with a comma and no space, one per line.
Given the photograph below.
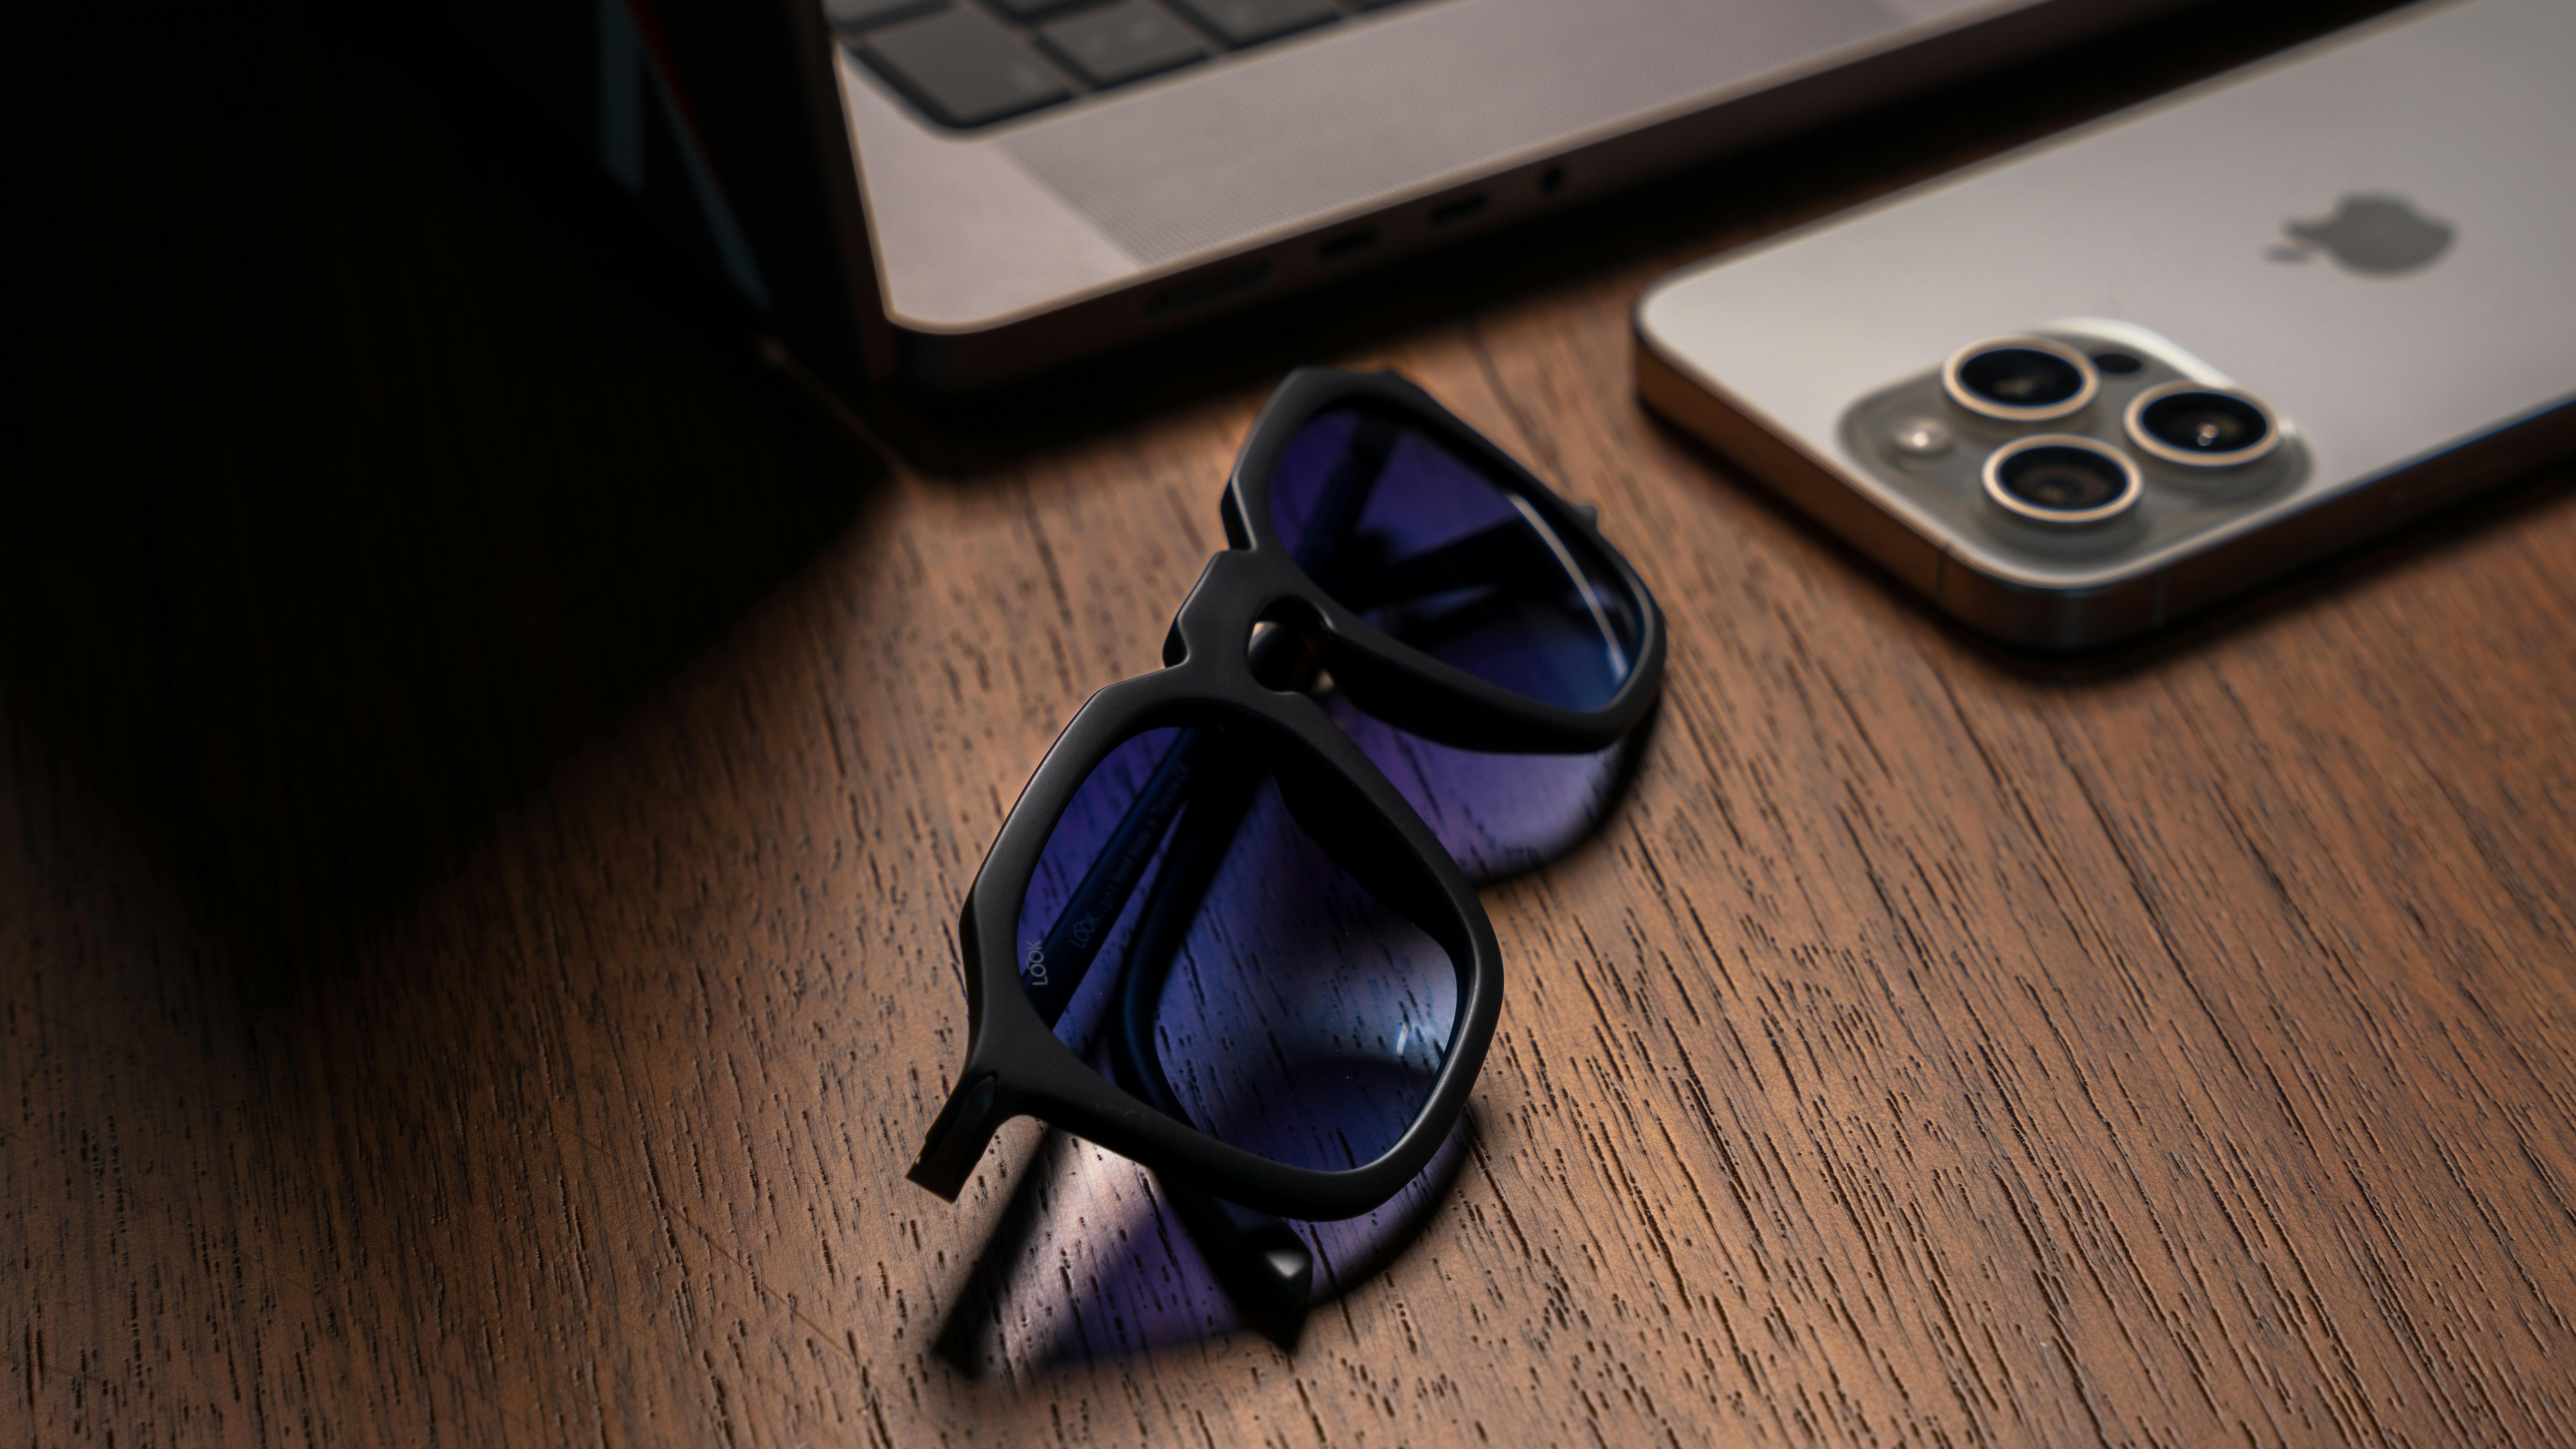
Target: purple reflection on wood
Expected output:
[1089,1264]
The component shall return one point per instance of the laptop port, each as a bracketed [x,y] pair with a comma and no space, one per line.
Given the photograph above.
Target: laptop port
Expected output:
[1551,181]
[1459,210]
[1347,243]
[1207,287]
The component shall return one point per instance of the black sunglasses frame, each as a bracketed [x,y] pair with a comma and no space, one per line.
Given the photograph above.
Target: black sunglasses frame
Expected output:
[1016,1065]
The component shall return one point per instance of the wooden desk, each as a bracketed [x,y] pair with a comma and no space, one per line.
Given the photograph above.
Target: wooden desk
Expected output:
[489,778]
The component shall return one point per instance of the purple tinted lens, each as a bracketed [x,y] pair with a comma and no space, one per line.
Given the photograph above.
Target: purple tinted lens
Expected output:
[1302,1019]
[1288,1012]
[1426,546]
[1496,815]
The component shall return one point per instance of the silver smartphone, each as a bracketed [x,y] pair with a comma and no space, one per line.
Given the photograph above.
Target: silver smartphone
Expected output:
[2103,380]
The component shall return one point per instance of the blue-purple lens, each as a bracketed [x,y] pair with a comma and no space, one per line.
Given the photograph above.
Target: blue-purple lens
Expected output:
[1302,1019]
[1496,815]
[1288,1011]
[1426,546]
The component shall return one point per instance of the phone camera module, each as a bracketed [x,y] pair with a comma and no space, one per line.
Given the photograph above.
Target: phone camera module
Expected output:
[2020,379]
[2060,478]
[2202,427]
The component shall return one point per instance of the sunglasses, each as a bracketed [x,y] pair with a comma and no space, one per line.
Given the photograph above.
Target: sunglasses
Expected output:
[1228,930]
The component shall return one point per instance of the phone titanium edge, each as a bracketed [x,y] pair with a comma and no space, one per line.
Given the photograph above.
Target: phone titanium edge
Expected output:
[2042,617]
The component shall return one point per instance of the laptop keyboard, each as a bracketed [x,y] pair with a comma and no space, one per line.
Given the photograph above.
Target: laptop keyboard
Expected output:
[969,63]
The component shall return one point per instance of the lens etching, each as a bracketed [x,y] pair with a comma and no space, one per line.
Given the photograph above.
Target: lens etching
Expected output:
[1098,864]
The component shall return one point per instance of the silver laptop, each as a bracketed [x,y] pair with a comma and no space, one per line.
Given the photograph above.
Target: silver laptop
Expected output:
[1043,178]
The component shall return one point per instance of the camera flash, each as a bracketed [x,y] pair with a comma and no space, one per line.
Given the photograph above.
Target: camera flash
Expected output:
[1919,437]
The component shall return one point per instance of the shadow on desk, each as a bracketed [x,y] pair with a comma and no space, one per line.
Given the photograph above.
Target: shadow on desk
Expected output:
[353,485]
[1088,1263]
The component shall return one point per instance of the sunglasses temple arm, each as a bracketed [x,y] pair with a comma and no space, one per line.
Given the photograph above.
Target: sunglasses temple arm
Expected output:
[1265,1269]
[1506,553]
[956,1141]
[1054,967]
[1258,1259]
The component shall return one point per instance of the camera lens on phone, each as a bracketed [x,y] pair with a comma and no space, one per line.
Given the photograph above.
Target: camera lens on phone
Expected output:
[2020,379]
[2201,426]
[2061,478]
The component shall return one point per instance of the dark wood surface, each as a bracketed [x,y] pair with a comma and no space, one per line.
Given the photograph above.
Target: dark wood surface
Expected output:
[488,773]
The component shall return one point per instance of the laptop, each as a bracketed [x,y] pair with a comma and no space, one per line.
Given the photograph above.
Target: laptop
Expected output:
[953,194]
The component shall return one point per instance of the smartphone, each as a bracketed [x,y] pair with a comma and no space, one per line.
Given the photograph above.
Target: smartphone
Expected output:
[2096,383]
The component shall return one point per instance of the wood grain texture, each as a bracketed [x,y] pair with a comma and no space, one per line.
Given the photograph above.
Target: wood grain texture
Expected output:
[522,1040]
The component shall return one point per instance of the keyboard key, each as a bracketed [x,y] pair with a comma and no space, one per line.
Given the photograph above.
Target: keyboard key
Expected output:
[962,68]
[868,14]
[1242,22]
[1121,42]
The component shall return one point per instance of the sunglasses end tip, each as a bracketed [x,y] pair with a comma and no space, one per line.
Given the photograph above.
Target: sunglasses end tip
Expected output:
[944,1186]
[957,1140]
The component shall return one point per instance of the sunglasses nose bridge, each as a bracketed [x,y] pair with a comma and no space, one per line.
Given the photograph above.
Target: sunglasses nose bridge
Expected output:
[1238,589]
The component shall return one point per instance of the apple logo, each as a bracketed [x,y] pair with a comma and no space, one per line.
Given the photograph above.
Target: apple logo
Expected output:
[2377,236]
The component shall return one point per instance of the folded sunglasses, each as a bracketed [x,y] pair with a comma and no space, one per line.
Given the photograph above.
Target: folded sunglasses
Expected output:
[1228,929]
